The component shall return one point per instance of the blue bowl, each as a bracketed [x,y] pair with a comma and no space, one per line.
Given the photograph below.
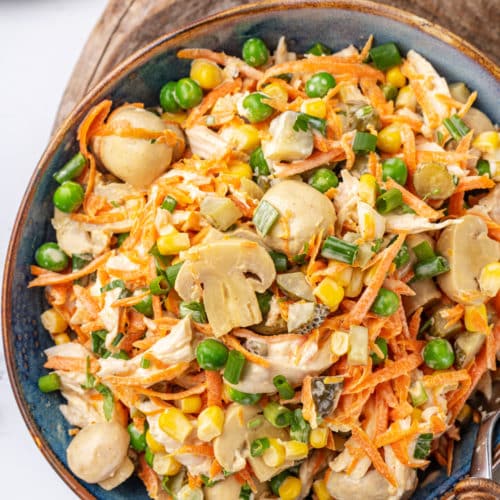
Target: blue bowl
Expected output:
[139,79]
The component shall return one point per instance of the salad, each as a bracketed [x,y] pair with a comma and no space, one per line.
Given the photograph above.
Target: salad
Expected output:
[282,282]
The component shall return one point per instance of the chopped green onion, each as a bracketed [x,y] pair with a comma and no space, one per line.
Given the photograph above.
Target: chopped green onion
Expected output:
[284,388]
[280,261]
[336,249]
[255,422]
[243,398]
[171,273]
[424,251]
[264,217]
[323,180]
[402,257]
[259,446]
[149,456]
[483,167]
[196,309]
[418,394]
[145,363]
[278,480]
[423,446]
[377,245]
[390,92]
[305,121]
[277,415]
[234,367]
[382,345]
[430,268]
[456,127]
[49,383]
[389,201]
[161,261]
[137,439]
[245,492]
[120,238]
[299,427]
[385,56]
[205,479]
[169,204]
[109,400]
[72,169]
[89,378]
[264,300]
[258,162]
[120,355]
[112,285]
[364,142]
[98,339]
[319,49]
[80,260]
[117,339]
[145,306]
[159,286]
[406,209]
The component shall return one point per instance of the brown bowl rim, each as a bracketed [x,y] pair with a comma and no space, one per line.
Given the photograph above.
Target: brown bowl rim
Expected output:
[98,91]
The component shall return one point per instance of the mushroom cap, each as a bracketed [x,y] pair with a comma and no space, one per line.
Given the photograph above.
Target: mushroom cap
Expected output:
[228,488]
[227,273]
[136,161]
[97,451]
[304,212]
[468,249]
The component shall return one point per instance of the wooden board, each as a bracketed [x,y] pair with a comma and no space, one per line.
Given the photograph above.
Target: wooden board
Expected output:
[127,25]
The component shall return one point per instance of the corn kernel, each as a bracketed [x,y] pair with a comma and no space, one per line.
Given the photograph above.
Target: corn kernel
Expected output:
[389,139]
[353,289]
[487,142]
[175,424]
[320,490]
[210,423]
[367,191]
[53,322]
[61,338]
[290,488]
[318,437]
[206,73]
[295,450]
[274,456]
[191,404]
[179,118]
[489,279]
[166,465]
[171,244]
[153,444]
[242,137]
[344,277]
[276,92]
[241,169]
[406,98]
[395,77]
[330,293]
[339,343]
[476,318]
[314,107]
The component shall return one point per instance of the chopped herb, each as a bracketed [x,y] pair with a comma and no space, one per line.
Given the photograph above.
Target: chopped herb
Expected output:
[264,300]
[120,238]
[299,427]
[377,245]
[115,204]
[109,400]
[89,378]
[304,122]
[207,481]
[195,309]
[423,446]
[120,355]
[245,492]
[117,339]
[98,338]
[171,273]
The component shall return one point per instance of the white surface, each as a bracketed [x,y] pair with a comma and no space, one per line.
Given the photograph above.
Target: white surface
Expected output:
[40,42]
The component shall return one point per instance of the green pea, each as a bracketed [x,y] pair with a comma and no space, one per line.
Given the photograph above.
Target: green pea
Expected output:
[256,110]
[319,84]
[145,306]
[243,398]
[438,354]
[395,168]
[68,196]
[382,344]
[211,354]
[188,93]
[323,179]
[386,303]
[137,439]
[51,257]
[255,53]
[167,98]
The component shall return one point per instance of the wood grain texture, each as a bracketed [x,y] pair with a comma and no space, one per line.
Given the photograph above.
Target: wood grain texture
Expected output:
[127,25]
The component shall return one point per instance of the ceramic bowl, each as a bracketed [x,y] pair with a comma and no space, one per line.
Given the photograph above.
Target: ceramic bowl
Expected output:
[336,23]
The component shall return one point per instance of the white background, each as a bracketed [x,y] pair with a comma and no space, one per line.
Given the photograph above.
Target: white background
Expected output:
[40,41]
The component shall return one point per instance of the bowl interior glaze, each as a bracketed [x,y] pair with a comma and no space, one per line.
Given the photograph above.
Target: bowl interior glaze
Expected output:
[140,78]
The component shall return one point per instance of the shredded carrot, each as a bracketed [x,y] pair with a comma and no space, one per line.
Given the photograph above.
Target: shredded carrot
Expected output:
[233,342]
[149,477]
[359,311]
[70,364]
[414,202]
[215,469]
[315,160]
[456,204]
[204,450]
[377,99]
[396,433]
[371,451]
[467,105]
[153,378]
[214,388]
[400,449]
[130,301]
[173,396]
[398,287]
[474,182]
[448,377]
[409,150]
[426,104]
[365,51]
[414,325]
[346,143]
[58,279]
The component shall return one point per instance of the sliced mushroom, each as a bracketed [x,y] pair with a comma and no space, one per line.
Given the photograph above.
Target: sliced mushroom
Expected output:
[123,472]
[491,204]
[98,451]
[476,120]
[135,160]
[304,212]
[228,488]
[426,293]
[468,249]
[230,445]
[226,274]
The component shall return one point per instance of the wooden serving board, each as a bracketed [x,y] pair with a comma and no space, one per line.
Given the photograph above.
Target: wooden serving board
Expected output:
[127,25]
